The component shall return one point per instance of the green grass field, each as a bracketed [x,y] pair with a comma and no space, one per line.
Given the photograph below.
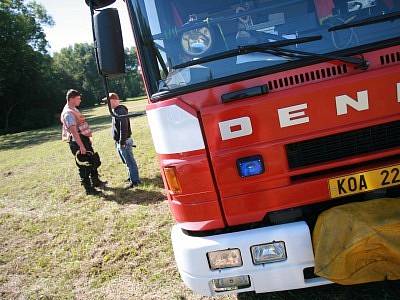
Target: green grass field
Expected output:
[58,243]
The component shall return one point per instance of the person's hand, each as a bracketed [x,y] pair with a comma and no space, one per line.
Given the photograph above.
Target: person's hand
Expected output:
[82,150]
[122,146]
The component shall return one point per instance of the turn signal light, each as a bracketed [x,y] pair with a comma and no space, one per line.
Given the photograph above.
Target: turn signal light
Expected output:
[172,180]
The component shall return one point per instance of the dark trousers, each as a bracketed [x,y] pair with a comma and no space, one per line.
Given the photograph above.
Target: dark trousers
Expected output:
[85,172]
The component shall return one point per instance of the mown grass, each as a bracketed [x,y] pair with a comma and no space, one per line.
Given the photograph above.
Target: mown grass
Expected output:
[58,243]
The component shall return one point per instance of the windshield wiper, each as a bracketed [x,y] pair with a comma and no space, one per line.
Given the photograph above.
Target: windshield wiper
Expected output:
[248,49]
[367,21]
[360,63]
[275,49]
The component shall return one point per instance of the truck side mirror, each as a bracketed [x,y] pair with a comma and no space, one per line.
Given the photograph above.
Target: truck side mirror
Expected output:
[108,42]
[96,4]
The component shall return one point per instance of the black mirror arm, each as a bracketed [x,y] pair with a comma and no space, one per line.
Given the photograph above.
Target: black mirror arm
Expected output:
[105,83]
[130,115]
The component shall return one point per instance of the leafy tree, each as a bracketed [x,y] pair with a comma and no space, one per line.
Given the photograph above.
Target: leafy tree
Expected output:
[130,84]
[33,84]
[133,80]
[78,62]
[24,63]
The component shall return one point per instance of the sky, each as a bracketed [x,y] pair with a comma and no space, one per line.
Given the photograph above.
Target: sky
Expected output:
[73,25]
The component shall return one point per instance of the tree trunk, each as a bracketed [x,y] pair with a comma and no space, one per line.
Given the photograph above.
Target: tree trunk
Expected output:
[7,119]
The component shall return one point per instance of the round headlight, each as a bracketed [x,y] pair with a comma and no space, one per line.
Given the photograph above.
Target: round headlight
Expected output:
[196,41]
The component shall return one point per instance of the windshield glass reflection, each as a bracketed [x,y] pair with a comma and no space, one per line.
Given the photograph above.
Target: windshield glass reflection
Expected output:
[184,31]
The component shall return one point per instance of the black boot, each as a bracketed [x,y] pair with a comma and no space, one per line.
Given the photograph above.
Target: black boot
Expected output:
[96,182]
[90,190]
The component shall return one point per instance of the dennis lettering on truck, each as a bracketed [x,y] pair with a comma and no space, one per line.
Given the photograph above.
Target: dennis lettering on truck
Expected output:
[295,115]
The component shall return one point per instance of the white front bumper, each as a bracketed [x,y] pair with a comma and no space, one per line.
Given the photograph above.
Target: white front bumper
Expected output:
[190,255]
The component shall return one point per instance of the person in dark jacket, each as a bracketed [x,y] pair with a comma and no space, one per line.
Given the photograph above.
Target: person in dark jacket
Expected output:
[122,135]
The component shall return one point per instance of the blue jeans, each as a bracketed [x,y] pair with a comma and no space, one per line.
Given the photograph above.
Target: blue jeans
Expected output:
[126,155]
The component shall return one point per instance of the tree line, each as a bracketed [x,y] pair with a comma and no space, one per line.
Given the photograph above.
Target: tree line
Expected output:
[33,83]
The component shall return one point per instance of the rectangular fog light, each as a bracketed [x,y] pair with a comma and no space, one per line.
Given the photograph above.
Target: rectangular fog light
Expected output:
[224,259]
[268,253]
[231,283]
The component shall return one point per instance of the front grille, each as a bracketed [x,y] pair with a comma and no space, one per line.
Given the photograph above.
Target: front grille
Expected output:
[390,58]
[347,144]
[308,76]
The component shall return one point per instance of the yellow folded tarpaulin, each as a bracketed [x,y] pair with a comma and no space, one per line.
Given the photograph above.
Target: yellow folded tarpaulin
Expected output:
[359,242]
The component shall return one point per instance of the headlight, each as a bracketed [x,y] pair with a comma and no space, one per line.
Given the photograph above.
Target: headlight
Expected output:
[268,253]
[197,41]
[224,259]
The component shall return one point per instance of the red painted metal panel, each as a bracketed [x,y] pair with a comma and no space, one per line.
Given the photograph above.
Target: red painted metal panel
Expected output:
[253,207]
[198,206]
[208,188]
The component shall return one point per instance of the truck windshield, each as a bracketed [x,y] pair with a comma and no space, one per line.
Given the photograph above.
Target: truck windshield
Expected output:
[178,32]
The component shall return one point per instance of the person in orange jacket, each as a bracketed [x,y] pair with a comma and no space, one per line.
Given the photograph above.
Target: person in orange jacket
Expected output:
[77,133]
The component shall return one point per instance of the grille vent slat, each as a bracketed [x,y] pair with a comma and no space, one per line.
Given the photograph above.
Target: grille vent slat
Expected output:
[390,58]
[307,77]
[347,144]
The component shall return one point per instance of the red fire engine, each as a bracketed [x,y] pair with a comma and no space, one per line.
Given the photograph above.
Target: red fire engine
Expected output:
[264,114]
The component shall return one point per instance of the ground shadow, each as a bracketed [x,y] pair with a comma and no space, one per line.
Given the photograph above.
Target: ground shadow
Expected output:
[388,290]
[29,138]
[138,195]
[39,136]
[156,181]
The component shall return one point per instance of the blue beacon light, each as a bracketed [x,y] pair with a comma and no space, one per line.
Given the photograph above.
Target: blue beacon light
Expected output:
[250,166]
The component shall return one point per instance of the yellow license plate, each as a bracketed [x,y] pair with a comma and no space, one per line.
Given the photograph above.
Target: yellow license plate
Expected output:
[365,181]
